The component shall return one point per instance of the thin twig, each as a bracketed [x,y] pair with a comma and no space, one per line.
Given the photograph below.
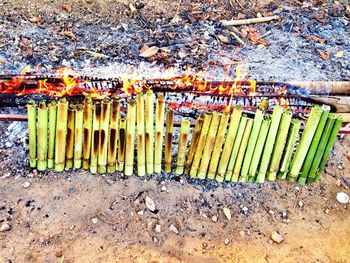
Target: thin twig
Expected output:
[248,21]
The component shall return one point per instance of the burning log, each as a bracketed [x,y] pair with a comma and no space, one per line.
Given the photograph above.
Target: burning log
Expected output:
[42,136]
[260,143]
[158,150]
[279,145]
[96,116]
[121,144]
[31,108]
[230,139]
[201,144]
[181,152]
[52,133]
[194,142]
[149,111]
[168,140]
[304,143]
[61,133]
[70,137]
[271,136]
[113,135]
[241,151]
[288,151]
[130,138]
[103,136]
[209,146]
[87,132]
[219,141]
[78,135]
[141,158]
[313,147]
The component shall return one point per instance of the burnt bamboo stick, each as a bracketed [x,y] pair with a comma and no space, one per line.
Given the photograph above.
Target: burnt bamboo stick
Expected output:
[121,144]
[96,116]
[31,108]
[87,132]
[52,134]
[78,136]
[61,135]
[141,144]
[158,142]
[42,136]
[103,136]
[70,137]
[181,152]
[113,136]
[149,112]
[130,138]
[168,140]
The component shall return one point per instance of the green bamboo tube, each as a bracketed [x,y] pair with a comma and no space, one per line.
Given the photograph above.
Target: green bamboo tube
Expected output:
[42,136]
[270,141]
[330,131]
[228,145]
[31,109]
[168,139]
[329,146]
[287,154]
[194,142]
[103,136]
[87,132]
[130,138]
[279,145]
[313,147]
[181,152]
[149,112]
[201,143]
[121,144]
[70,137]
[61,135]
[241,153]
[259,146]
[96,116]
[113,136]
[158,142]
[52,134]
[235,149]
[259,116]
[209,146]
[141,154]
[304,143]
[219,141]
[78,135]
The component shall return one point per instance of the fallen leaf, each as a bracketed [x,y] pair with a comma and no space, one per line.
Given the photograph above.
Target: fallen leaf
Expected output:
[150,204]
[315,38]
[223,39]
[151,51]
[323,54]
[67,7]
[227,213]
[339,54]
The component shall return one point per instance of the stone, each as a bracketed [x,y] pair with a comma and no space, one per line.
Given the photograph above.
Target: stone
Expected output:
[8,145]
[226,241]
[5,227]
[227,213]
[245,209]
[157,228]
[342,198]
[326,211]
[94,220]
[214,218]
[173,229]
[150,204]
[163,189]
[276,237]
[338,183]
[242,233]
[271,212]
[140,212]
[301,204]
[26,184]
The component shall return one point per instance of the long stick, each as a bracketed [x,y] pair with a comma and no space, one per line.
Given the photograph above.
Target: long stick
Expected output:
[201,144]
[31,108]
[194,142]
[181,152]
[103,136]
[149,112]
[121,144]
[52,134]
[70,137]
[78,136]
[61,135]
[96,116]
[168,140]
[219,141]
[313,147]
[260,143]
[230,139]
[248,21]
[130,138]
[287,154]
[304,143]
[87,132]
[270,141]
[141,144]
[42,136]
[158,150]
[279,145]
[113,135]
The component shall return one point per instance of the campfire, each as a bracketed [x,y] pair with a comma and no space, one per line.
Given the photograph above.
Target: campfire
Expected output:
[97,122]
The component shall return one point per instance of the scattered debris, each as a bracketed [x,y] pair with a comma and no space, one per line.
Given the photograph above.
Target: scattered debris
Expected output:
[149,52]
[150,204]
[172,228]
[227,213]
[342,198]
[276,237]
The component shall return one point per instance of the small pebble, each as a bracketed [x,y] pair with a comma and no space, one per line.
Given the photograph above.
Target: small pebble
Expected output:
[163,189]
[25,184]
[155,239]
[276,237]
[245,209]
[214,218]
[172,228]
[226,241]
[5,227]
[326,211]
[338,183]
[150,204]
[271,212]
[301,204]
[94,220]
[227,213]
[140,212]
[157,229]
[342,198]
[8,145]
[297,188]
[242,233]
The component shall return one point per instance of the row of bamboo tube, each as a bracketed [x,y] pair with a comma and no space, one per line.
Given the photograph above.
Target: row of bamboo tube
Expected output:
[223,146]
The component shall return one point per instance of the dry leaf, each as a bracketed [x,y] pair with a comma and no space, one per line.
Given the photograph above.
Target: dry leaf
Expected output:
[223,39]
[150,204]
[149,52]
[132,8]
[315,39]
[339,54]
[227,213]
[323,54]
[67,7]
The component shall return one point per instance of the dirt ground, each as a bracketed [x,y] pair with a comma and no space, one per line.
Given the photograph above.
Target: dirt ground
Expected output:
[78,217]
